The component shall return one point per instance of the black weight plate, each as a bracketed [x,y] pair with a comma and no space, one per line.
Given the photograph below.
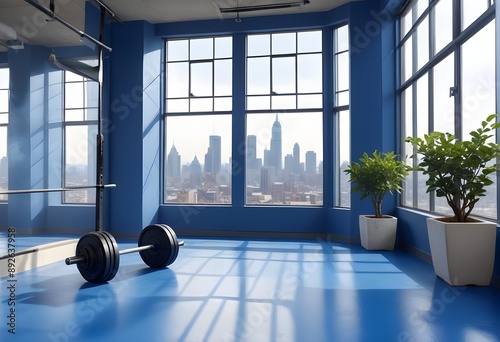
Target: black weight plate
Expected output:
[114,255]
[160,238]
[94,248]
[175,244]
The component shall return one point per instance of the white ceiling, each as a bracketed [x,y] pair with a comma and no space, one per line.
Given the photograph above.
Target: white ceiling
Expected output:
[20,19]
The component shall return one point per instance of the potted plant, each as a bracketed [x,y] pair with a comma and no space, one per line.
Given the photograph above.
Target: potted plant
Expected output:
[462,248]
[375,176]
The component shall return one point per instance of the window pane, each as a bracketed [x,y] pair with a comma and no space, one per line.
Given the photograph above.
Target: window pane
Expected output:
[201,79]
[258,76]
[91,114]
[4,78]
[284,153]
[223,104]
[177,106]
[283,75]
[443,24]
[201,48]
[201,105]
[423,43]
[74,95]
[342,98]
[4,100]
[91,94]
[342,38]
[74,115]
[407,115]
[310,73]
[258,45]
[310,101]
[79,157]
[198,166]
[478,79]
[4,179]
[284,102]
[223,77]
[284,43]
[478,97]
[177,50]
[422,113]
[406,22]
[177,80]
[421,6]
[258,102]
[471,10]
[223,47]
[344,159]
[342,71]
[444,117]
[407,60]
[309,41]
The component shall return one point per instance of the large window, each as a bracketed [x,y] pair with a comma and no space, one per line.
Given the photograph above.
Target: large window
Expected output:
[4,121]
[198,120]
[284,105]
[81,105]
[341,114]
[447,56]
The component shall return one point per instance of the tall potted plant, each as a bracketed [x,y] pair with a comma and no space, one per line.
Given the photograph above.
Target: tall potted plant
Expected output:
[462,247]
[374,177]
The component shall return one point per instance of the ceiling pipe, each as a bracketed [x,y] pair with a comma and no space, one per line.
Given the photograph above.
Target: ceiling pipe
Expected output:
[54,16]
[263,7]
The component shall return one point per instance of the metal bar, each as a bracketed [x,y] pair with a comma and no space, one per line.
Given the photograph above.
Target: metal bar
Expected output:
[74,260]
[78,259]
[136,249]
[99,203]
[54,16]
[69,188]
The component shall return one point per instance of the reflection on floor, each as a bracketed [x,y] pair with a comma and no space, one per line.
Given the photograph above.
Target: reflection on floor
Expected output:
[248,290]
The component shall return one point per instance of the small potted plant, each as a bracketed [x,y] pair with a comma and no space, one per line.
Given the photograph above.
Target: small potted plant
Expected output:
[462,247]
[375,176]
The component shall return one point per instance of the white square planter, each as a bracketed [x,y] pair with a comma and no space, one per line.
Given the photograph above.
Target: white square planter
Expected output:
[378,233]
[463,253]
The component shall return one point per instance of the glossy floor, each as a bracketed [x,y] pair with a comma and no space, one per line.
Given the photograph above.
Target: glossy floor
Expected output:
[248,290]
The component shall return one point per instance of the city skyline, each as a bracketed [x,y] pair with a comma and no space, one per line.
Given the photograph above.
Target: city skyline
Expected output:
[302,128]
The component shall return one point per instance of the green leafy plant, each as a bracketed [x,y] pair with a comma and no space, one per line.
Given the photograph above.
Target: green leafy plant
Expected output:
[459,171]
[377,175]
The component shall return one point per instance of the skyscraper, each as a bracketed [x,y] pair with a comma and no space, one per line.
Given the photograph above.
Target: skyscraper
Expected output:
[275,157]
[213,155]
[251,152]
[195,172]
[173,163]
[296,159]
[311,162]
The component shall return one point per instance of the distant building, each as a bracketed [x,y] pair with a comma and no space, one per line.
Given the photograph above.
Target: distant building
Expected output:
[213,155]
[173,163]
[311,162]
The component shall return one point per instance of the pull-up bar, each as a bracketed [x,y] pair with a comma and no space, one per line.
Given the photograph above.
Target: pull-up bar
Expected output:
[69,188]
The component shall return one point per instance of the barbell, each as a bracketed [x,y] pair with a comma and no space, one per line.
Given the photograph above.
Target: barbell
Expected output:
[98,258]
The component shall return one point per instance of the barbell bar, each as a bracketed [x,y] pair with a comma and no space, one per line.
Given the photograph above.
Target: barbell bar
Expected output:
[69,188]
[97,254]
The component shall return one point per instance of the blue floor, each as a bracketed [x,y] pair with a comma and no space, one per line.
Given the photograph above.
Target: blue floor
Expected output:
[247,290]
